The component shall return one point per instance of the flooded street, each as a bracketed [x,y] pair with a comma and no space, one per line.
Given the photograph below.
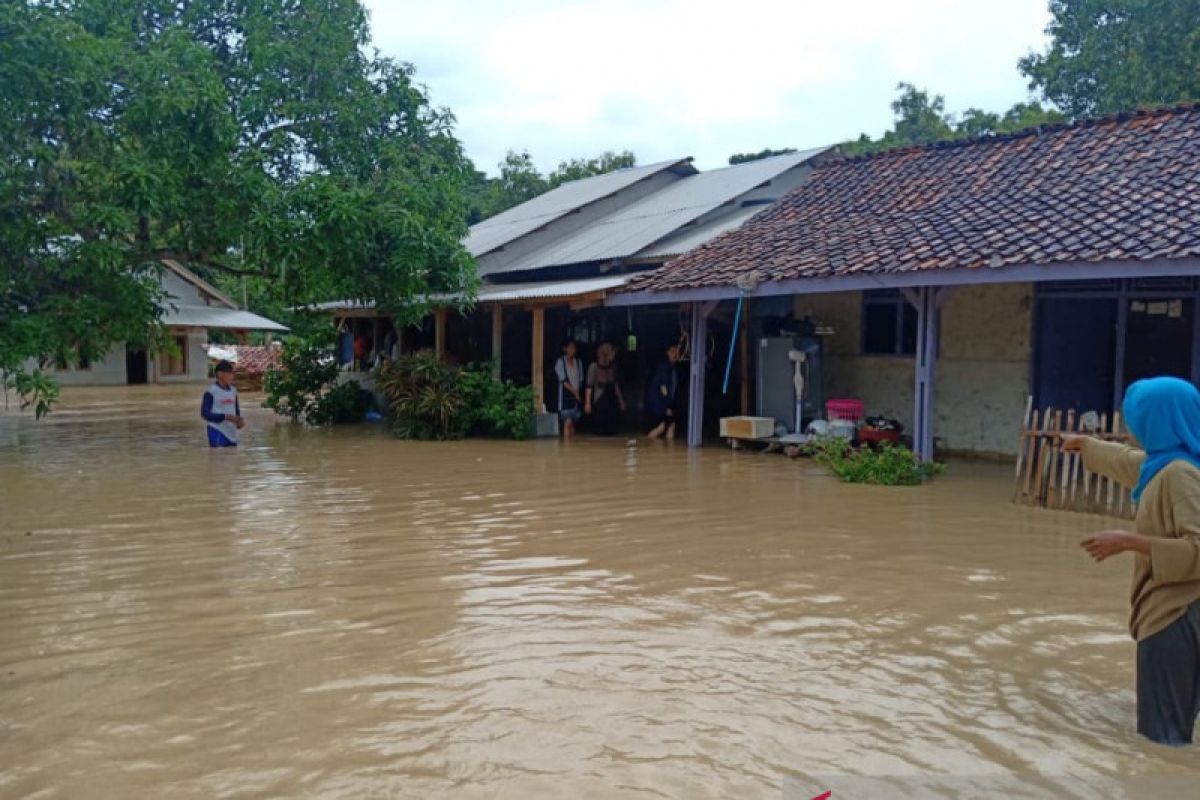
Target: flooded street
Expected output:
[336,613]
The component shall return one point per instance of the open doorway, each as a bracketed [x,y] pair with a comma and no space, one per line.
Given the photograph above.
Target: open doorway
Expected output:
[136,369]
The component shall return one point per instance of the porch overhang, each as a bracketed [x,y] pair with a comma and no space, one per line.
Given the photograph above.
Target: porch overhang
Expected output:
[1018,273]
[218,318]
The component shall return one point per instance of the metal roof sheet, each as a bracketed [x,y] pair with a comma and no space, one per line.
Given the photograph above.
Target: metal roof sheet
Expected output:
[508,292]
[549,290]
[514,223]
[691,236]
[216,317]
[640,224]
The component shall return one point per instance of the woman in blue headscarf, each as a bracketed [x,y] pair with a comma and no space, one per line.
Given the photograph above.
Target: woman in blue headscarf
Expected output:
[1163,414]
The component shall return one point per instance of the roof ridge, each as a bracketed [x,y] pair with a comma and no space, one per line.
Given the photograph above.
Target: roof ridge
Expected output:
[1033,130]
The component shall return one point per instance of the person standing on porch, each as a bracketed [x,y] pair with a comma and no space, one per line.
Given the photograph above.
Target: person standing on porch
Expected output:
[220,409]
[1163,414]
[603,401]
[661,394]
[569,371]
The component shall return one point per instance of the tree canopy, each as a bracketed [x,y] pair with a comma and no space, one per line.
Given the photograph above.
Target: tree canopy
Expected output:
[766,152]
[241,138]
[921,118]
[1115,55]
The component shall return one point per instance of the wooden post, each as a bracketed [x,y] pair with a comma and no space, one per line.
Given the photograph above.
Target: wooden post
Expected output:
[439,334]
[699,345]
[538,355]
[497,339]
[744,355]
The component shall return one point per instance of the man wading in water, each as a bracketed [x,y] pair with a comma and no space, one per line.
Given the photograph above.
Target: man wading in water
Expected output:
[221,410]
[1163,414]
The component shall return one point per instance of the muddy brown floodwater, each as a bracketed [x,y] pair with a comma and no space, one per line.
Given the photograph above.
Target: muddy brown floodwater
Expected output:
[336,613]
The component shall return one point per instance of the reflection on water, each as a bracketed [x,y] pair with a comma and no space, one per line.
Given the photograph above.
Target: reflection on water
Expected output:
[337,613]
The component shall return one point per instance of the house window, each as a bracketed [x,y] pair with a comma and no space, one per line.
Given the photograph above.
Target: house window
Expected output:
[889,324]
[174,362]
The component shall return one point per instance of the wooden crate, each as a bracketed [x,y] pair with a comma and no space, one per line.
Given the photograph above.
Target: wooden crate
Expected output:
[747,427]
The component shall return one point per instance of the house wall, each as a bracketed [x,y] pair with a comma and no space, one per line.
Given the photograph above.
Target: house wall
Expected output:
[197,359]
[982,379]
[109,371]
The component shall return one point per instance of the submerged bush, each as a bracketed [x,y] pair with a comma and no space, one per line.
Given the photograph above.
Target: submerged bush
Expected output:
[495,408]
[304,384]
[430,400]
[889,465]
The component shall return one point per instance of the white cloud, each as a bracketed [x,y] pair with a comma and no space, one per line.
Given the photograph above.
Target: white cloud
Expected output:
[668,78]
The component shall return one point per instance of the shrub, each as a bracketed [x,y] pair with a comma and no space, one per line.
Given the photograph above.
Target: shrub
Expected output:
[889,465]
[430,400]
[304,385]
[425,397]
[495,408]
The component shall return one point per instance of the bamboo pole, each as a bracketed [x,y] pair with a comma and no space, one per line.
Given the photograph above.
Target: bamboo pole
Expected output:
[1022,446]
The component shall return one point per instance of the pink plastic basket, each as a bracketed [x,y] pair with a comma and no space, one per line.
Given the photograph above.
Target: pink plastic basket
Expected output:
[845,409]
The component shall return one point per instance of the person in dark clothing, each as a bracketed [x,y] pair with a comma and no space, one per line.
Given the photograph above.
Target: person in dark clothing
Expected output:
[603,401]
[661,395]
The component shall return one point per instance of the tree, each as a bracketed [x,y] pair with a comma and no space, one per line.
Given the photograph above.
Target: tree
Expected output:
[242,138]
[743,158]
[577,168]
[921,118]
[1115,55]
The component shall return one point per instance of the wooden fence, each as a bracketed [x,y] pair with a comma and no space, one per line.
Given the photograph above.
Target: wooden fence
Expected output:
[1049,478]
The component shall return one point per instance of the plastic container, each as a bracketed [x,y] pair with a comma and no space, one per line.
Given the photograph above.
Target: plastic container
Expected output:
[845,409]
[873,436]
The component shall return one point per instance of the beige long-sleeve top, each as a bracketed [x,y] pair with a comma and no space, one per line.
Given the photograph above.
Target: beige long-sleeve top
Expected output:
[1167,581]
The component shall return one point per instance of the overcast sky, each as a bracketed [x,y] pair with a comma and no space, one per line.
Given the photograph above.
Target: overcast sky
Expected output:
[673,78]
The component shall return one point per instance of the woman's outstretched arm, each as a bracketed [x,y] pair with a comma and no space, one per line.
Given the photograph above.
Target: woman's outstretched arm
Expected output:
[1114,460]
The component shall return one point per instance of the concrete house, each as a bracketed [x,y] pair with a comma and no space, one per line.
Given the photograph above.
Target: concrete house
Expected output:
[193,308]
[958,279]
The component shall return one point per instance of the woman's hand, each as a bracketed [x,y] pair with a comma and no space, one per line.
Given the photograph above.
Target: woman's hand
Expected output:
[1110,543]
[1072,442]
[587,407]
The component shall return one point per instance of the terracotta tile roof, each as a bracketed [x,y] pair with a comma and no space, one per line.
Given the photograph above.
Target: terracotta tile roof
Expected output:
[255,359]
[1111,188]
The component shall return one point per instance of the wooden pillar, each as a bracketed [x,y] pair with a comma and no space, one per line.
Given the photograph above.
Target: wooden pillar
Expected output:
[538,355]
[744,356]
[439,334]
[497,339]
[699,343]
[927,301]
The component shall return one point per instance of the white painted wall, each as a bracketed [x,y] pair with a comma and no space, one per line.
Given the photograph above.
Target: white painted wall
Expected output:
[109,371]
[197,359]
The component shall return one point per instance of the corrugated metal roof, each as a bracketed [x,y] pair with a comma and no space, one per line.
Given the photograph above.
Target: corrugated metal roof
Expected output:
[691,236]
[646,221]
[508,292]
[549,290]
[215,317]
[514,223]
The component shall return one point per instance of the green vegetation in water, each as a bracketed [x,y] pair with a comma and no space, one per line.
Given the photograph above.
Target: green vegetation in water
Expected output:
[888,465]
[305,386]
[430,400]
